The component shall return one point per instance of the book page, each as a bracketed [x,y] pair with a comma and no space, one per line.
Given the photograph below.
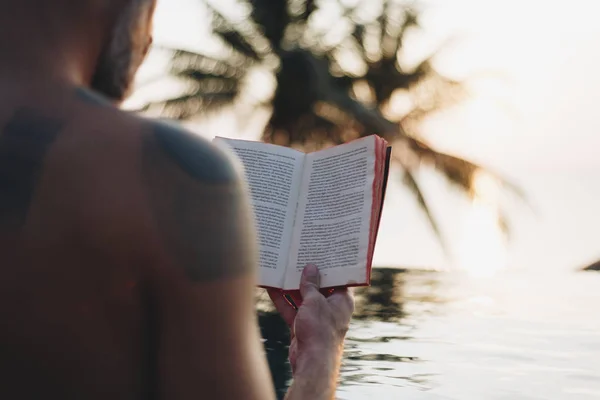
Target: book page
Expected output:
[334,215]
[273,174]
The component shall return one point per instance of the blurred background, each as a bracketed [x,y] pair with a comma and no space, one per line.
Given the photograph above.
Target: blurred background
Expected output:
[491,212]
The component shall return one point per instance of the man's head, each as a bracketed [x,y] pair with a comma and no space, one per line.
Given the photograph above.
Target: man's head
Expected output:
[126,44]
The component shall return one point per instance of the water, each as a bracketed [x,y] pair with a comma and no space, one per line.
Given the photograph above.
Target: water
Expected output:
[429,335]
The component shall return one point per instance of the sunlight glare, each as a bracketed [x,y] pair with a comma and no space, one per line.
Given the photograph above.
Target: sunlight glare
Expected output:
[482,249]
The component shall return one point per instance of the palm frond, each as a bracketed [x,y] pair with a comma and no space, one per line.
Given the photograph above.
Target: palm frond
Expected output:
[199,76]
[458,171]
[273,18]
[358,34]
[182,60]
[411,183]
[504,224]
[232,34]
[393,22]
[307,7]
[189,105]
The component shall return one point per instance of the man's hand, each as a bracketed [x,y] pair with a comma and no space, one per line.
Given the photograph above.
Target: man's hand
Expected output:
[318,329]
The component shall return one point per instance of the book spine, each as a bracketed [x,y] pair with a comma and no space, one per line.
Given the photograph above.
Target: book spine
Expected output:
[293,238]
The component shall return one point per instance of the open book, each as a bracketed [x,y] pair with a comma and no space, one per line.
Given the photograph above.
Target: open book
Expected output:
[320,208]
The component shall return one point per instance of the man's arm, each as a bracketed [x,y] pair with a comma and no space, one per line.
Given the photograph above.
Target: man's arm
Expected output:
[202,277]
[318,329]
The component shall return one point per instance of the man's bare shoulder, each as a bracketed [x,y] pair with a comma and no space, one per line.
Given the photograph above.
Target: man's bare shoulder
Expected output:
[192,154]
[198,203]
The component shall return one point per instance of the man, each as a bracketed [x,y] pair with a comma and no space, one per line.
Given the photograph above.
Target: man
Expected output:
[127,249]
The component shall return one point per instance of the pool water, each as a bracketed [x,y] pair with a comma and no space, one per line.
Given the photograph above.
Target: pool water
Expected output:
[432,335]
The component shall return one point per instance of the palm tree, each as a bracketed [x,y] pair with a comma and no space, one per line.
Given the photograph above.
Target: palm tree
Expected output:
[335,81]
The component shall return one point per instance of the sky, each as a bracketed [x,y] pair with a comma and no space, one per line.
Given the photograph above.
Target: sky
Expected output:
[548,51]
[532,115]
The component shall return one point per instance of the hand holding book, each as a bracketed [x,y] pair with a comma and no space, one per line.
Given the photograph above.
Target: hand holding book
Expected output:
[317,332]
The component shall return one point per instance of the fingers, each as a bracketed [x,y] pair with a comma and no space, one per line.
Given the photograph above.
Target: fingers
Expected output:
[286,310]
[309,284]
[342,300]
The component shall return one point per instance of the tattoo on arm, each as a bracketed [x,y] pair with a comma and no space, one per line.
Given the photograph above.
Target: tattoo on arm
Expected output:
[199,205]
[195,157]
[24,142]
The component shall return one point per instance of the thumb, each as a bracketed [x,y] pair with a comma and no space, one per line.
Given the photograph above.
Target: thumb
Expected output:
[309,284]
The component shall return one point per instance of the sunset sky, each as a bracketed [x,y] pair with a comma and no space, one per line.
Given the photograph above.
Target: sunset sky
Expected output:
[535,121]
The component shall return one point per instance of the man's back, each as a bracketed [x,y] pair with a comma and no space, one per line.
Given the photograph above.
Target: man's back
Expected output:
[71,298]
[103,222]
